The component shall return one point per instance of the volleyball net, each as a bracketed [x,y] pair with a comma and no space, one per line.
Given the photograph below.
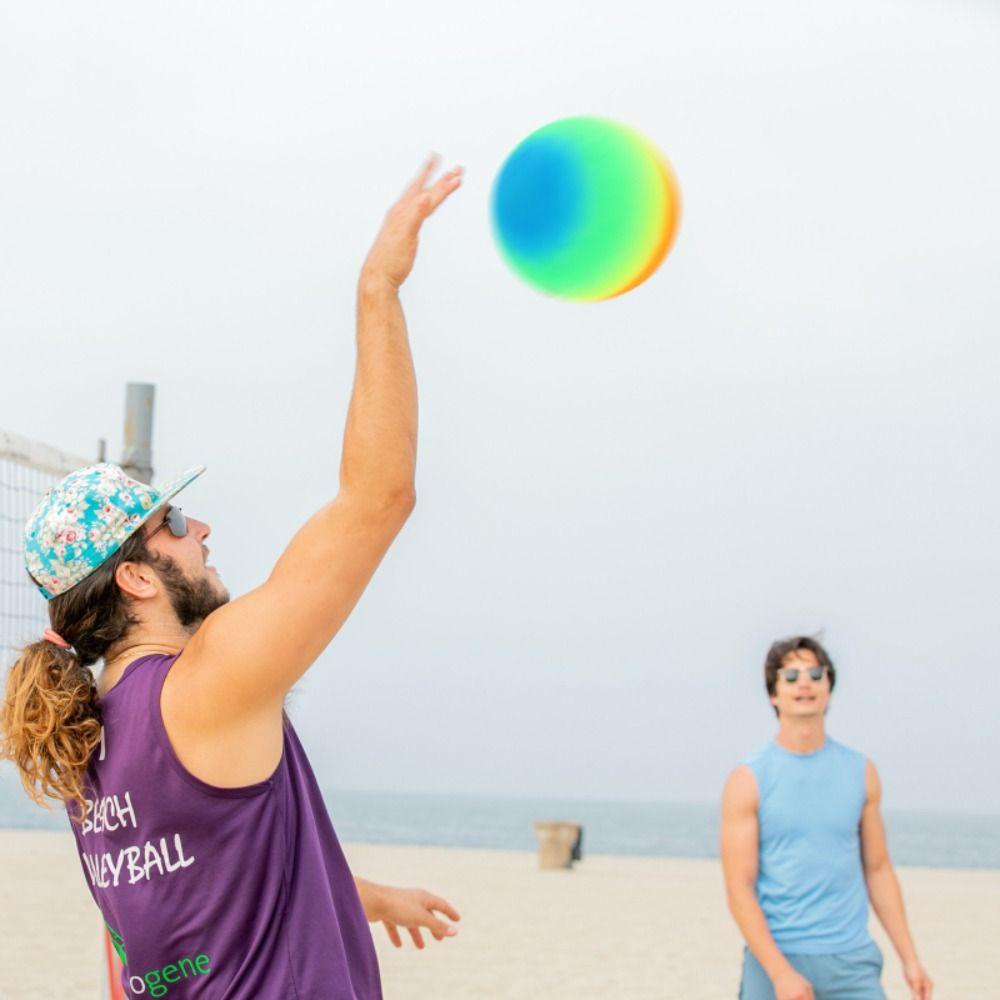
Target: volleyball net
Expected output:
[27,470]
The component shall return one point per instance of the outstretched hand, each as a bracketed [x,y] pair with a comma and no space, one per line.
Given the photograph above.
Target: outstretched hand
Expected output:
[395,248]
[414,910]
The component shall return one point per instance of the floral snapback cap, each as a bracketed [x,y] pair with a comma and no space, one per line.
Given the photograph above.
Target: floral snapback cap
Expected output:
[85,519]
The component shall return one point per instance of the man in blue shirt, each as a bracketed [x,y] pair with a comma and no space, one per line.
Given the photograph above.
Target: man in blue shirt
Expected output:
[804,851]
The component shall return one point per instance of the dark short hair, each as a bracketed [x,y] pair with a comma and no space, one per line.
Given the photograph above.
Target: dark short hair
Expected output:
[782,648]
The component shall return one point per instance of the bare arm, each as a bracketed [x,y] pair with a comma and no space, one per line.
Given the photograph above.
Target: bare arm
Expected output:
[740,845]
[883,886]
[227,688]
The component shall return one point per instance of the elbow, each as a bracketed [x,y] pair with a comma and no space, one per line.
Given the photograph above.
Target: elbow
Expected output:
[873,869]
[384,486]
[738,895]
[385,499]
[403,501]
[394,504]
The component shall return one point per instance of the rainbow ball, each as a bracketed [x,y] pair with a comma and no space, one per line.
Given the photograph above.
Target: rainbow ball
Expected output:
[585,208]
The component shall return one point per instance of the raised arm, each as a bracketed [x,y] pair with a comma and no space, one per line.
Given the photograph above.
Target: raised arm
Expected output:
[883,886]
[230,681]
[740,844]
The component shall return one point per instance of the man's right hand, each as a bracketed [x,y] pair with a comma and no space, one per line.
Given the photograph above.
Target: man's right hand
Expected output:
[395,248]
[792,986]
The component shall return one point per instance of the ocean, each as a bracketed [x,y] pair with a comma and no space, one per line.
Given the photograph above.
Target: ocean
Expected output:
[658,829]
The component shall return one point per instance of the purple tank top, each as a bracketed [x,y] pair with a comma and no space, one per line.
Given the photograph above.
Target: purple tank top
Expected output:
[216,893]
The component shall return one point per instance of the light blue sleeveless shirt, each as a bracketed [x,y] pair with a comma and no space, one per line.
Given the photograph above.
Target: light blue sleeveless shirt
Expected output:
[810,882]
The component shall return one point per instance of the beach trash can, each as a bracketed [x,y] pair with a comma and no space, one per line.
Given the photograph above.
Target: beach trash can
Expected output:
[559,843]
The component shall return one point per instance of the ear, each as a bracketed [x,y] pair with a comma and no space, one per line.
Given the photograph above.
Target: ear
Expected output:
[137,580]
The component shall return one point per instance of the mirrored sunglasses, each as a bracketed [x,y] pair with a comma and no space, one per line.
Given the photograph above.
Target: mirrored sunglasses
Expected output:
[791,674]
[175,521]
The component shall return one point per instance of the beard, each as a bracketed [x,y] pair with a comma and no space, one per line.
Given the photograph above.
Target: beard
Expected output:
[192,600]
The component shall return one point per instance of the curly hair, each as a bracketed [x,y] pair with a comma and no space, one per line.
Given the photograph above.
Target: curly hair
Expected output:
[50,721]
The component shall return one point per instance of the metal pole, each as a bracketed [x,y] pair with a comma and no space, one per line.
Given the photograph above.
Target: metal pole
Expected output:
[137,453]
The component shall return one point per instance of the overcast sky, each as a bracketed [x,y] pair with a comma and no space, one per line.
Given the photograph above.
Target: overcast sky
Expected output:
[792,425]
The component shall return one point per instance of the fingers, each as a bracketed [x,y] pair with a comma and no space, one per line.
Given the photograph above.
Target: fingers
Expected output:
[443,906]
[423,175]
[427,198]
[444,186]
[438,928]
[410,212]
[415,911]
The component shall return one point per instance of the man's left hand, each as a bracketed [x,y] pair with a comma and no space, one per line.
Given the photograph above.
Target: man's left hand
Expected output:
[919,982]
[414,909]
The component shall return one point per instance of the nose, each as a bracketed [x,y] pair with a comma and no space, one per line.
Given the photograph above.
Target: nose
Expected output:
[200,529]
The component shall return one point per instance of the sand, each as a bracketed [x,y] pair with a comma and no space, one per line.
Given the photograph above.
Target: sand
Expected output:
[628,928]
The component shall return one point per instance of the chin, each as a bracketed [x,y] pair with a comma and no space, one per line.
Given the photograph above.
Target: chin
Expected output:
[804,712]
[215,582]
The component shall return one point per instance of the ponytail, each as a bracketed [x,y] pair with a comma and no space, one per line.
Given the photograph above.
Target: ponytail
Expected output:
[50,722]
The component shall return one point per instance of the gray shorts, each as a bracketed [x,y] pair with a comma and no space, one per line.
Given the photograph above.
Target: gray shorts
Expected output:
[851,975]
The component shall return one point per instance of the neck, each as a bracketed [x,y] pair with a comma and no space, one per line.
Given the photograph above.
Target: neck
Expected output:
[801,735]
[142,641]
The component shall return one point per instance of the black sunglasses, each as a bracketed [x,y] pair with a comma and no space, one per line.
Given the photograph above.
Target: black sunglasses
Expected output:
[791,674]
[175,521]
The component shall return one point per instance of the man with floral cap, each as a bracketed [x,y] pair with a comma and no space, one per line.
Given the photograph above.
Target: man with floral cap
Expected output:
[201,829]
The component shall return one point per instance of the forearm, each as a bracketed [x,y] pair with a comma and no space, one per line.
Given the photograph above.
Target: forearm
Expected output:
[380,438]
[887,902]
[750,919]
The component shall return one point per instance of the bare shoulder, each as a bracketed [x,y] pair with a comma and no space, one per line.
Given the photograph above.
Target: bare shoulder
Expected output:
[739,829]
[740,791]
[873,783]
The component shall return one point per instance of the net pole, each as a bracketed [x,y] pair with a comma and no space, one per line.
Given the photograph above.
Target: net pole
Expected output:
[137,454]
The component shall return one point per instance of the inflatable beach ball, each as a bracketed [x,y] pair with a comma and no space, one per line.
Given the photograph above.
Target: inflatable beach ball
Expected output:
[585,208]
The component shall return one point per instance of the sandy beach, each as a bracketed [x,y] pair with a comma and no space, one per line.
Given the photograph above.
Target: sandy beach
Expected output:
[614,927]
